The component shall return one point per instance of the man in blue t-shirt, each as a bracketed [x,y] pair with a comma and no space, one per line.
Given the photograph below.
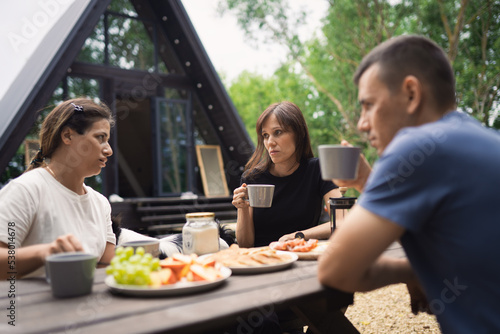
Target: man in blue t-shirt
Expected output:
[435,188]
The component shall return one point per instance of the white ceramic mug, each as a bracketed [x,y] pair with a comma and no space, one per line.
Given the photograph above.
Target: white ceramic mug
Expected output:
[70,274]
[260,195]
[339,162]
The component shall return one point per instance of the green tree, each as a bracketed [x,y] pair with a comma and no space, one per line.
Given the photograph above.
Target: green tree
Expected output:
[468,30]
[253,93]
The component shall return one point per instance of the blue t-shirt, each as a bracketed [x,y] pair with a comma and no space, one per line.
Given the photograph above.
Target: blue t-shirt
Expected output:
[441,182]
[297,202]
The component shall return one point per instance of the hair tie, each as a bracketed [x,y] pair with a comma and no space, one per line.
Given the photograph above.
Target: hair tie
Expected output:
[77,107]
[36,160]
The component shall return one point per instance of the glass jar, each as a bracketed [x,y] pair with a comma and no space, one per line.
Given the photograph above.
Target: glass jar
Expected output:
[200,234]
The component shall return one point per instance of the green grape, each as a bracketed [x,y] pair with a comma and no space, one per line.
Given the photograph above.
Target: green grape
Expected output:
[133,269]
[140,251]
[120,268]
[130,275]
[155,264]
[140,280]
[145,262]
[119,250]
[109,270]
[118,278]
[140,271]
[129,251]
[135,259]
[115,261]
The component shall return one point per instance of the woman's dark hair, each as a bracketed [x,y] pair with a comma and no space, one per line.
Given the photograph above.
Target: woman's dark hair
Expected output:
[413,55]
[78,114]
[291,119]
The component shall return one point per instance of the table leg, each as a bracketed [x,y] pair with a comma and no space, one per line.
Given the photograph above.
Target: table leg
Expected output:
[320,320]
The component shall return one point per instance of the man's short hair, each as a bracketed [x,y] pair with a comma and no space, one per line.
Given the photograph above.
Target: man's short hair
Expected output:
[413,55]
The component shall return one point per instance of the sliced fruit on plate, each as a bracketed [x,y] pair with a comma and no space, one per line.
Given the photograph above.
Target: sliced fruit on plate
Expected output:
[207,262]
[187,259]
[162,277]
[179,268]
[201,273]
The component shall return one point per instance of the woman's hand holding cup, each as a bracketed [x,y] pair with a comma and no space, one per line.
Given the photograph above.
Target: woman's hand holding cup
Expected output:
[240,196]
[64,244]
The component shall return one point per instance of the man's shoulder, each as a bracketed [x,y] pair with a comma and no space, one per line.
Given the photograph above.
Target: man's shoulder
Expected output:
[425,138]
[449,131]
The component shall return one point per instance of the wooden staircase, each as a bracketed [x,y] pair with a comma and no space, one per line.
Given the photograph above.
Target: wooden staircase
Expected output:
[156,216]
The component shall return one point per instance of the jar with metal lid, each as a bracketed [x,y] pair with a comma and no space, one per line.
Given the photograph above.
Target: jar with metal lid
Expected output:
[200,234]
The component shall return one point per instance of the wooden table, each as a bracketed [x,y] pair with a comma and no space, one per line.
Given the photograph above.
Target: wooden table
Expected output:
[241,301]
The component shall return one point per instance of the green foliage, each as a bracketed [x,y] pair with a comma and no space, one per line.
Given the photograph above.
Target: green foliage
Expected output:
[252,93]
[15,167]
[322,67]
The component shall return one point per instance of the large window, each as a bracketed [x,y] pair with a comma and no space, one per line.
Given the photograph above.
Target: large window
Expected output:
[174,147]
[123,39]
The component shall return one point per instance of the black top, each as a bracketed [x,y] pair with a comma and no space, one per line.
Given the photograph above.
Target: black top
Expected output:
[297,202]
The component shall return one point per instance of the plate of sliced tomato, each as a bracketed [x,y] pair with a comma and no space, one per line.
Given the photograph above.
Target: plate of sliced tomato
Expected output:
[304,249]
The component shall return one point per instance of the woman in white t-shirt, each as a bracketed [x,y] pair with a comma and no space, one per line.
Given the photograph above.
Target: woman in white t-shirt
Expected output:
[49,209]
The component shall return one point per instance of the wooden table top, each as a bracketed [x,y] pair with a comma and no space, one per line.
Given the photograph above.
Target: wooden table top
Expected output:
[241,297]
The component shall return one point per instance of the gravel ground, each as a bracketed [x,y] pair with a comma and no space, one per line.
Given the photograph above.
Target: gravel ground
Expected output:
[387,310]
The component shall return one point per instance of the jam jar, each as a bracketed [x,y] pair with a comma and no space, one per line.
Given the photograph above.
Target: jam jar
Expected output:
[200,234]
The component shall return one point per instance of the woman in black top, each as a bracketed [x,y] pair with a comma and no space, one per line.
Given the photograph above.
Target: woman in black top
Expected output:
[283,157]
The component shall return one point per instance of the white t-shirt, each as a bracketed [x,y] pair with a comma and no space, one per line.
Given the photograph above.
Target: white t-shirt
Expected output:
[38,209]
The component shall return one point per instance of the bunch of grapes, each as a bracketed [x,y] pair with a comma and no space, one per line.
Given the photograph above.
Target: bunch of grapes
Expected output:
[134,269]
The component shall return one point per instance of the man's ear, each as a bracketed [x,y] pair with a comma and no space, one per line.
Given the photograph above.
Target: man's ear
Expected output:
[412,90]
[66,134]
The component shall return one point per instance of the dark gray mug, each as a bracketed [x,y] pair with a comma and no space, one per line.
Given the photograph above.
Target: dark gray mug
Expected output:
[70,274]
[339,162]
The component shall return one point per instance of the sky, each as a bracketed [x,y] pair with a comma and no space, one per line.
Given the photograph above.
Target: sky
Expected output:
[226,44]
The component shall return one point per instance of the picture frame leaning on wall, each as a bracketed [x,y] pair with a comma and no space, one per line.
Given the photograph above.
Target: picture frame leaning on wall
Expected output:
[212,172]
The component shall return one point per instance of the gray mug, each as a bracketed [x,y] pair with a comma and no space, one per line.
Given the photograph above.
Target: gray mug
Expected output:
[339,162]
[70,274]
[260,195]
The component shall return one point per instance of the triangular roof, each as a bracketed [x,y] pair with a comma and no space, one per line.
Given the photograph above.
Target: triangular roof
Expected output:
[40,54]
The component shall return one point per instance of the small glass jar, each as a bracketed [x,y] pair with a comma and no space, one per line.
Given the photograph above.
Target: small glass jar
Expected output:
[200,234]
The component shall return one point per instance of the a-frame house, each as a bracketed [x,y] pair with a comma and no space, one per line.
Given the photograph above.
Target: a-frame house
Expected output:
[144,59]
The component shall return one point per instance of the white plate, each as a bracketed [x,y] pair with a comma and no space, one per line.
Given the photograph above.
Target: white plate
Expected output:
[266,267]
[166,290]
[312,254]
